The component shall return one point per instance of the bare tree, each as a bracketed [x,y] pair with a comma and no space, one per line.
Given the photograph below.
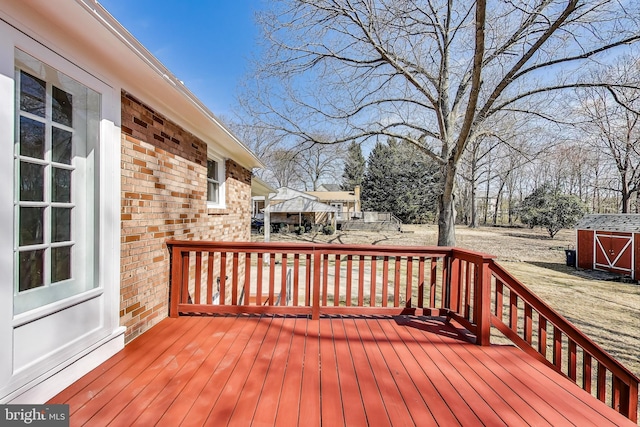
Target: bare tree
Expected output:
[434,69]
[613,125]
[320,163]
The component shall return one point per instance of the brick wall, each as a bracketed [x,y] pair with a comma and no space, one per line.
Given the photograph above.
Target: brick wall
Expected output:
[164,196]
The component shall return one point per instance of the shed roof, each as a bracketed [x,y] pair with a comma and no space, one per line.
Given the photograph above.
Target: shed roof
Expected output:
[610,222]
[300,204]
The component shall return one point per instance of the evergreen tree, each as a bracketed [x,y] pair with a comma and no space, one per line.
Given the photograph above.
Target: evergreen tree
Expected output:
[354,167]
[401,180]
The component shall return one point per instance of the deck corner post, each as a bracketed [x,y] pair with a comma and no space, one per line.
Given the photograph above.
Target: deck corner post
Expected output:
[482,296]
[175,266]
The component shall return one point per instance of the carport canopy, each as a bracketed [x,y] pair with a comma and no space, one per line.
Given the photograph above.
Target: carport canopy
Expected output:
[297,205]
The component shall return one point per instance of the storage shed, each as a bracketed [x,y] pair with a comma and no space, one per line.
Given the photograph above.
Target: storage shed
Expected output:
[610,243]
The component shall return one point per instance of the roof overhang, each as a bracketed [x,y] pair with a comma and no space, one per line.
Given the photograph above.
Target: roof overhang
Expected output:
[259,188]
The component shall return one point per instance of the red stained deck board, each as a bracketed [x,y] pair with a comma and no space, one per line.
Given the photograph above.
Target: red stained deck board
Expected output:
[353,412]
[199,411]
[394,403]
[182,402]
[258,385]
[274,370]
[289,404]
[434,398]
[371,395]
[481,396]
[310,392]
[330,393]
[169,385]
[94,402]
[409,393]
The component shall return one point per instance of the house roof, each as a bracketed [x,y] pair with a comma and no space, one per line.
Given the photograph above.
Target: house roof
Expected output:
[114,56]
[286,193]
[329,187]
[300,204]
[334,196]
[610,222]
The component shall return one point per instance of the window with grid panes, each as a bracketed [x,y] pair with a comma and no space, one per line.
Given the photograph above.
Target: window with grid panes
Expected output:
[57,129]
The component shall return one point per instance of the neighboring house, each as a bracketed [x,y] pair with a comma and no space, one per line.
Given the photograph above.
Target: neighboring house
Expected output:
[293,207]
[347,203]
[106,155]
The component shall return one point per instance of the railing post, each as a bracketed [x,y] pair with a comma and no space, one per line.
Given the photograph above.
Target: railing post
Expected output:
[482,303]
[315,305]
[176,278]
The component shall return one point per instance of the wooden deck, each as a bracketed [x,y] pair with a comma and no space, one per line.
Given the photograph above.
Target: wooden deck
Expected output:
[351,371]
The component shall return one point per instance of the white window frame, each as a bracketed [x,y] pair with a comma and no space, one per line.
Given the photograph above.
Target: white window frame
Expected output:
[339,207]
[82,204]
[60,347]
[221,203]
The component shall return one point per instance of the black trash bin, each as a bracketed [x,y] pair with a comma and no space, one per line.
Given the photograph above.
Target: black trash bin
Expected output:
[571,257]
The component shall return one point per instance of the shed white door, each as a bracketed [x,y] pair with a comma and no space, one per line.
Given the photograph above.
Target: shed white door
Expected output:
[613,252]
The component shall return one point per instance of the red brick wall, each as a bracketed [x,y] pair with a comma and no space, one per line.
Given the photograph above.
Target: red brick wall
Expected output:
[164,196]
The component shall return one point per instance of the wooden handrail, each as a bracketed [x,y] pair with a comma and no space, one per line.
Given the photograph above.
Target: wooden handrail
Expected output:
[624,385]
[329,279]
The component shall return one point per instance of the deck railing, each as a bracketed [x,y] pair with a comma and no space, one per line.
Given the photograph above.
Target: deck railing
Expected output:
[326,279]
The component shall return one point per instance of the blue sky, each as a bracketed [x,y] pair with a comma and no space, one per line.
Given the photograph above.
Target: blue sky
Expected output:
[206,44]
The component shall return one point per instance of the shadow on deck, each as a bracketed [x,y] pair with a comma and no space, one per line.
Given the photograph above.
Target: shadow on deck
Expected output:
[348,370]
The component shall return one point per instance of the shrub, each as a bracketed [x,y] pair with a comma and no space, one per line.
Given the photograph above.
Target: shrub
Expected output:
[328,229]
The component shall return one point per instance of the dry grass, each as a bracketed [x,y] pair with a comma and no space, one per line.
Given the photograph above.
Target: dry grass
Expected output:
[608,312]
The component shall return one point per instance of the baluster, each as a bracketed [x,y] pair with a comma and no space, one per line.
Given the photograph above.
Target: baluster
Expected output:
[586,371]
[360,281]
[542,335]
[223,278]
[247,278]
[396,283]
[210,258]
[421,282]
[198,277]
[432,283]
[185,278]
[513,311]
[499,299]
[349,279]
[572,360]
[325,278]
[372,292]
[272,279]
[409,296]
[259,280]
[296,278]
[234,280]
[528,322]
[557,348]
[307,296]
[336,279]
[468,287]
[385,281]
[601,390]
[283,280]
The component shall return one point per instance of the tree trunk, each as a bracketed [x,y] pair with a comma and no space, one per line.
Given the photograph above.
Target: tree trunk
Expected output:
[474,206]
[626,197]
[447,208]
